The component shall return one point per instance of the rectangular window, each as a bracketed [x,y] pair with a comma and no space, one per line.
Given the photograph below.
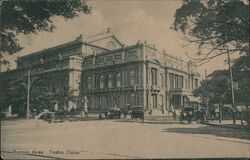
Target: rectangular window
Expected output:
[89,82]
[118,57]
[100,60]
[102,82]
[89,62]
[132,99]
[109,59]
[196,83]
[131,54]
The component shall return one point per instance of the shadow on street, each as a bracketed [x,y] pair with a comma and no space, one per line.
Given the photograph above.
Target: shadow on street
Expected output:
[212,130]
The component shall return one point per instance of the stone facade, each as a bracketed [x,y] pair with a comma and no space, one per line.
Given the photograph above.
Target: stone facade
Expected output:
[137,75]
[109,74]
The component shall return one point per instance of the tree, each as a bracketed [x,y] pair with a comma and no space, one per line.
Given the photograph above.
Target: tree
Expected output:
[40,98]
[241,71]
[3,62]
[30,16]
[215,88]
[217,26]
[63,95]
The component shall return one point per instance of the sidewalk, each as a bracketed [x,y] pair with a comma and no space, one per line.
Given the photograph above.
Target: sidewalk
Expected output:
[225,123]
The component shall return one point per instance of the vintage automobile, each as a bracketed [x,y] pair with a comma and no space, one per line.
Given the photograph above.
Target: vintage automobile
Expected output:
[57,117]
[137,113]
[126,110]
[44,115]
[187,115]
[52,117]
[114,113]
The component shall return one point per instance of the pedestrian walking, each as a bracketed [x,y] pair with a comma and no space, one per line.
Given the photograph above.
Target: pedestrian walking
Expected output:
[174,115]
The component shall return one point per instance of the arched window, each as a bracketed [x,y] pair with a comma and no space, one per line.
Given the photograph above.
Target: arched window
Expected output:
[171,81]
[186,84]
[102,81]
[110,84]
[89,82]
[118,80]
[181,81]
[153,76]
[176,81]
[161,80]
[132,78]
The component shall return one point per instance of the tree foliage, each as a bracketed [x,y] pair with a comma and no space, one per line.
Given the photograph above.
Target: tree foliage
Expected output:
[30,16]
[241,77]
[62,95]
[40,98]
[216,88]
[220,26]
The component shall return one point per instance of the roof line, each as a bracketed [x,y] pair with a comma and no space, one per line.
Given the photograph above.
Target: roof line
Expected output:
[51,48]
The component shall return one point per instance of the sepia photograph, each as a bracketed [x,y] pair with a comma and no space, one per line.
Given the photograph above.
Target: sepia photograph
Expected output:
[125,79]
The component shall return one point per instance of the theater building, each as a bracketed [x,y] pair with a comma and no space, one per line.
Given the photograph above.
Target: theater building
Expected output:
[109,74]
[138,75]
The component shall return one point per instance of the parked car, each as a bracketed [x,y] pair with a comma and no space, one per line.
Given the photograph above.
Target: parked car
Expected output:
[137,113]
[52,116]
[114,113]
[126,110]
[58,116]
[187,115]
[44,115]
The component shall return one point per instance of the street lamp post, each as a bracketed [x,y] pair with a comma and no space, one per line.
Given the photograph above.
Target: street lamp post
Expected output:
[28,94]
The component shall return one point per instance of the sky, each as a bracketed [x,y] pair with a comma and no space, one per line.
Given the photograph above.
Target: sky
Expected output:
[130,20]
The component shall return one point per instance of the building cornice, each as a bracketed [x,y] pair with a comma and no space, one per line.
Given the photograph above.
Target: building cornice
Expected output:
[46,51]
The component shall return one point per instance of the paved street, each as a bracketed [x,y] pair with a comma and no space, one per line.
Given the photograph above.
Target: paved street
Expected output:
[157,137]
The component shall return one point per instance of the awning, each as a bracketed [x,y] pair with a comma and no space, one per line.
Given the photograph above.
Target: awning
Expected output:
[194,99]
